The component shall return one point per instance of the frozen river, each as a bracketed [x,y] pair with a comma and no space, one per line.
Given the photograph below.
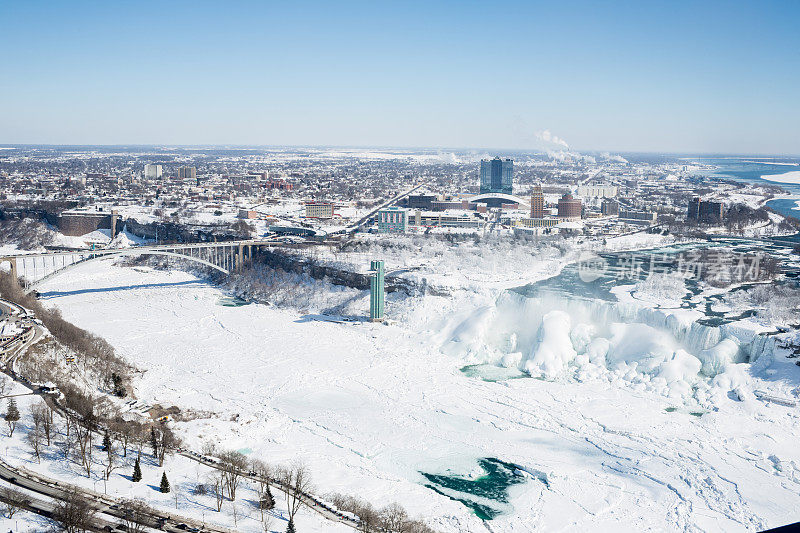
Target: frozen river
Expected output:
[387,413]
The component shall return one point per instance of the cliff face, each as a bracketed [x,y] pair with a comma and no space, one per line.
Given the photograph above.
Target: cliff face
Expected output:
[175,232]
[293,263]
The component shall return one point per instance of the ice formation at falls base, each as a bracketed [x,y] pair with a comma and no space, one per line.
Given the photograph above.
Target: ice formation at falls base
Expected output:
[666,351]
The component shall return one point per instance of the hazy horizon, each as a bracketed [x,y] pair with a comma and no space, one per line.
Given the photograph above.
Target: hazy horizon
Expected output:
[499,150]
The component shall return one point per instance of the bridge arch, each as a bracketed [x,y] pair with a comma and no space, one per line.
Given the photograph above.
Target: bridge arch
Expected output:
[98,255]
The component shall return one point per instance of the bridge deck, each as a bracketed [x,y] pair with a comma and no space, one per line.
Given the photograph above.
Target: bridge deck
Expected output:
[154,247]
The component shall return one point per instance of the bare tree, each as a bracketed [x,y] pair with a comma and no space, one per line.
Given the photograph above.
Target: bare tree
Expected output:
[139,437]
[124,431]
[13,500]
[136,513]
[83,435]
[266,522]
[233,465]
[295,483]
[65,445]
[36,416]
[393,518]
[73,513]
[44,414]
[69,424]
[208,448]
[219,489]
[417,526]
[34,438]
[369,520]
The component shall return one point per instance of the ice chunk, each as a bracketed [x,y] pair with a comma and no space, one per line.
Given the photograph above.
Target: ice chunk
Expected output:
[735,378]
[511,360]
[553,348]
[716,358]
[469,337]
[581,336]
[597,350]
[681,367]
[644,345]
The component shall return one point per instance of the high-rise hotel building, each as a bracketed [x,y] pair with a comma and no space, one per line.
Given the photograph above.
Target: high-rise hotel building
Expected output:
[497,175]
[537,202]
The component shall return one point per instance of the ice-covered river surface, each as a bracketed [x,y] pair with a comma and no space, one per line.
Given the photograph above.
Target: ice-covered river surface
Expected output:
[632,425]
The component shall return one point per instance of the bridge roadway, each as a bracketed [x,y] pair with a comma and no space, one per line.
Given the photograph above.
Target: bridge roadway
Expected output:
[146,248]
[51,488]
[46,508]
[31,331]
[224,256]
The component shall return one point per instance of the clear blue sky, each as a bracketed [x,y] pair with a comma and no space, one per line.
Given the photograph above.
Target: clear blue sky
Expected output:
[619,76]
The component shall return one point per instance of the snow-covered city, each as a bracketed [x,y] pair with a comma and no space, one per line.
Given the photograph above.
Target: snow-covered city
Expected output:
[399,268]
[592,372]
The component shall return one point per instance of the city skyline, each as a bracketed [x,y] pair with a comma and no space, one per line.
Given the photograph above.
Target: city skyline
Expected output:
[711,78]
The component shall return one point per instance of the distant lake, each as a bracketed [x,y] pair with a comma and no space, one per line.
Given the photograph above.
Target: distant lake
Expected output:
[750,170]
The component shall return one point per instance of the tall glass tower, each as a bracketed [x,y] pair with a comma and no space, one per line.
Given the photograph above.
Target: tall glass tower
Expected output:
[497,175]
[376,291]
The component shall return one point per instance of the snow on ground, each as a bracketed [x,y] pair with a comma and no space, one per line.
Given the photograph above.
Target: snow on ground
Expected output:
[370,407]
[183,474]
[11,249]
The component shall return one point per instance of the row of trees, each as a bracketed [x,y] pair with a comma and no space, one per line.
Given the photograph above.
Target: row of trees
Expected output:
[294,482]
[392,518]
[75,439]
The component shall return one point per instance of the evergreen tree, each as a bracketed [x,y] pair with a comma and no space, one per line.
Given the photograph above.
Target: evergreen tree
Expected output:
[290,528]
[106,442]
[137,471]
[164,483]
[267,501]
[118,389]
[12,416]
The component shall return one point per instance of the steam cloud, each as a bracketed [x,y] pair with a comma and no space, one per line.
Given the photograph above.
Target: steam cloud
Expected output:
[548,137]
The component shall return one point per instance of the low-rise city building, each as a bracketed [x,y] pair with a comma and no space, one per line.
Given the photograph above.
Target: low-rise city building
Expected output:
[392,220]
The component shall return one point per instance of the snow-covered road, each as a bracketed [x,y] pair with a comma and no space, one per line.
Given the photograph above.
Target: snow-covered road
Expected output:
[369,407]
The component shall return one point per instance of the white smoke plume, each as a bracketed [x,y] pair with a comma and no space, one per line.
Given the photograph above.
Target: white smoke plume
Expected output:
[548,137]
[564,156]
[613,157]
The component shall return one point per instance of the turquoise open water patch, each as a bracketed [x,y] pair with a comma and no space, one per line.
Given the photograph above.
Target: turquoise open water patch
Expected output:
[492,373]
[487,495]
[232,301]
